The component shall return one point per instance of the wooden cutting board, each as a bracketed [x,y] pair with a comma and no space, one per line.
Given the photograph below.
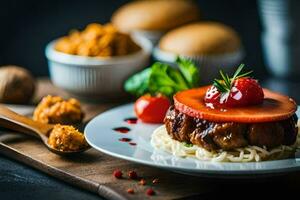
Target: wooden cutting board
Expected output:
[92,170]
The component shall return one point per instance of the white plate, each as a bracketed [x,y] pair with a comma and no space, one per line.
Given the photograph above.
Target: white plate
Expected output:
[99,134]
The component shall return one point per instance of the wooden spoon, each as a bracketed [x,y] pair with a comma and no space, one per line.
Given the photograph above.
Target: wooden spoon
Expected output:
[14,121]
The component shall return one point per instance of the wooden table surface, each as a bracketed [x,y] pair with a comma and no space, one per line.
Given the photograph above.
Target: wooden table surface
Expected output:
[172,185]
[92,170]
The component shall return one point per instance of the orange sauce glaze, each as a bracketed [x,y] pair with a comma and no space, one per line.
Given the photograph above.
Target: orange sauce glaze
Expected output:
[275,107]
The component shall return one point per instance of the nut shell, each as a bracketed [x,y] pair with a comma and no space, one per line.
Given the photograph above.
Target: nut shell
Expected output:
[17,85]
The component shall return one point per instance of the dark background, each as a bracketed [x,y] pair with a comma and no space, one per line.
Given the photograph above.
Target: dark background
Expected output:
[27,26]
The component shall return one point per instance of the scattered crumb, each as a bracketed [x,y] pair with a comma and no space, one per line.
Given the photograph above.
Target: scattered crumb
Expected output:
[142,182]
[132,174]
[155,181]
[150,192]
[130,191]
[118,174]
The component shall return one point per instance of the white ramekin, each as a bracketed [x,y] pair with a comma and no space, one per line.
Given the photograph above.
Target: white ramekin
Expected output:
[153,36]
[95,78]
[209,65]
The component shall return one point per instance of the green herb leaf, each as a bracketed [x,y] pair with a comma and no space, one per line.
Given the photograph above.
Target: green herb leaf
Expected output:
[187,144]
[164,79]
[220,86]
[226,79]
[138,84]
[238,71]
[189,71]
[225,84]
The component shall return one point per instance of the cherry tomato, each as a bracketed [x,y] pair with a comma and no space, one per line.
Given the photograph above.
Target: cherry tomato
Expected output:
[151,109]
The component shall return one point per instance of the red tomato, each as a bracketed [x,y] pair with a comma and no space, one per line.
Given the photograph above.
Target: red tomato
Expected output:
[151,109]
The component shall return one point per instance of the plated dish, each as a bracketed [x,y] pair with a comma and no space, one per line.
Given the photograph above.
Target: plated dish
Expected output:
[105,134]
[234,120]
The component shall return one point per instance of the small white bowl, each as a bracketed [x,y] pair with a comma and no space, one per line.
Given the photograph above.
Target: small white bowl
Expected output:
[153,36]
[95,78]
[209,65]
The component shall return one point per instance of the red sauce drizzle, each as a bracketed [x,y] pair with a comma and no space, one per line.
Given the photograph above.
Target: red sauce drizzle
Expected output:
[132,143]
[122,129]
[131,120]
[125,140]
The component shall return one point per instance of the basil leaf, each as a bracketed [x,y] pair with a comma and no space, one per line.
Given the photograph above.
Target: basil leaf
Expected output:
[138,84]
[189,71]
[166,80]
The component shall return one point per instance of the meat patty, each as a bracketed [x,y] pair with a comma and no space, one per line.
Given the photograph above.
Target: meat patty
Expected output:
[266,134]
[179,124]
[213,136]
[229,135]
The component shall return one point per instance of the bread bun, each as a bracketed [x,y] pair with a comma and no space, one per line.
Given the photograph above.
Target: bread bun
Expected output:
[159,15]
[202,38]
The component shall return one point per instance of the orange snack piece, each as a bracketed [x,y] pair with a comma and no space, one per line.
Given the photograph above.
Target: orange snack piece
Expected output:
[97,40]
[54,110]
[66,138]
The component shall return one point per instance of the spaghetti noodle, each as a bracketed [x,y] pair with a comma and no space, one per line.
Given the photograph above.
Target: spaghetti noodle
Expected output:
[161,140]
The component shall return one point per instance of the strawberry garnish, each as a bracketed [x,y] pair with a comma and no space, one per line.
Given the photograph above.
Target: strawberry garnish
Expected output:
[238,91]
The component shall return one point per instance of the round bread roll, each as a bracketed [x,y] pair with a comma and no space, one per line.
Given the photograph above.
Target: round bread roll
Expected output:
[202,38]
[158,15]
[16,85]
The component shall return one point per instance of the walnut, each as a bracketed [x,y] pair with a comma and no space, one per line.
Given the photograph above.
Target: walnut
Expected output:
[16,85]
